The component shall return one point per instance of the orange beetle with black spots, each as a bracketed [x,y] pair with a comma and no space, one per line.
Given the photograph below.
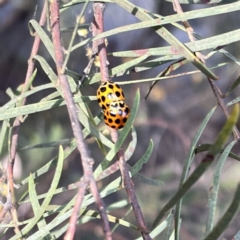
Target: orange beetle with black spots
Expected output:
[109,92]
[117,114]
[111,99]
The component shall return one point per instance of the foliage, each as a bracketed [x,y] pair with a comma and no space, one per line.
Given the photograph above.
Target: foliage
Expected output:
[50,213]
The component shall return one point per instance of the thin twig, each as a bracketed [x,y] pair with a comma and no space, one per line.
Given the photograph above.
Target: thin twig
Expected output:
[75,215]
[87,161]
[101,209]
[16,127]
[132,195]
[97,28]
[99,44]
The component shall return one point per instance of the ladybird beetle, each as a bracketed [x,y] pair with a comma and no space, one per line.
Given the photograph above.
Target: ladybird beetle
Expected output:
[116,115]
[109,92]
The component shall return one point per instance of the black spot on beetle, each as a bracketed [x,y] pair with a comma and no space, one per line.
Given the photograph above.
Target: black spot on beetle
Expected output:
[127,110]
[121,104]
[118,94]
[114,104]
[103,99]
[111,86]
[117,121]
[103,89]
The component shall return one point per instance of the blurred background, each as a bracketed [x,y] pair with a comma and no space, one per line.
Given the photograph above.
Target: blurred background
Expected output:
[170,116]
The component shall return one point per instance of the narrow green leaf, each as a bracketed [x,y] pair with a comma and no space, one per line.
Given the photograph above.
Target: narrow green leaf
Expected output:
[128,65]
[117,205]
[132,146]
[39,107]
[225,132]
[204,165]
[16,99]
[172,236]
[197,46]
[149,181]
[35,28]
[148,65]
[29,83]
[48,70]
[34,201]
[205,147]
[195,140]
[233,86]
[145,157]
[187,164]
[212,199]
[48,198]
[3,133]
[47,144]
[51,96]
[169,229]
[226,218]
[236,100]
